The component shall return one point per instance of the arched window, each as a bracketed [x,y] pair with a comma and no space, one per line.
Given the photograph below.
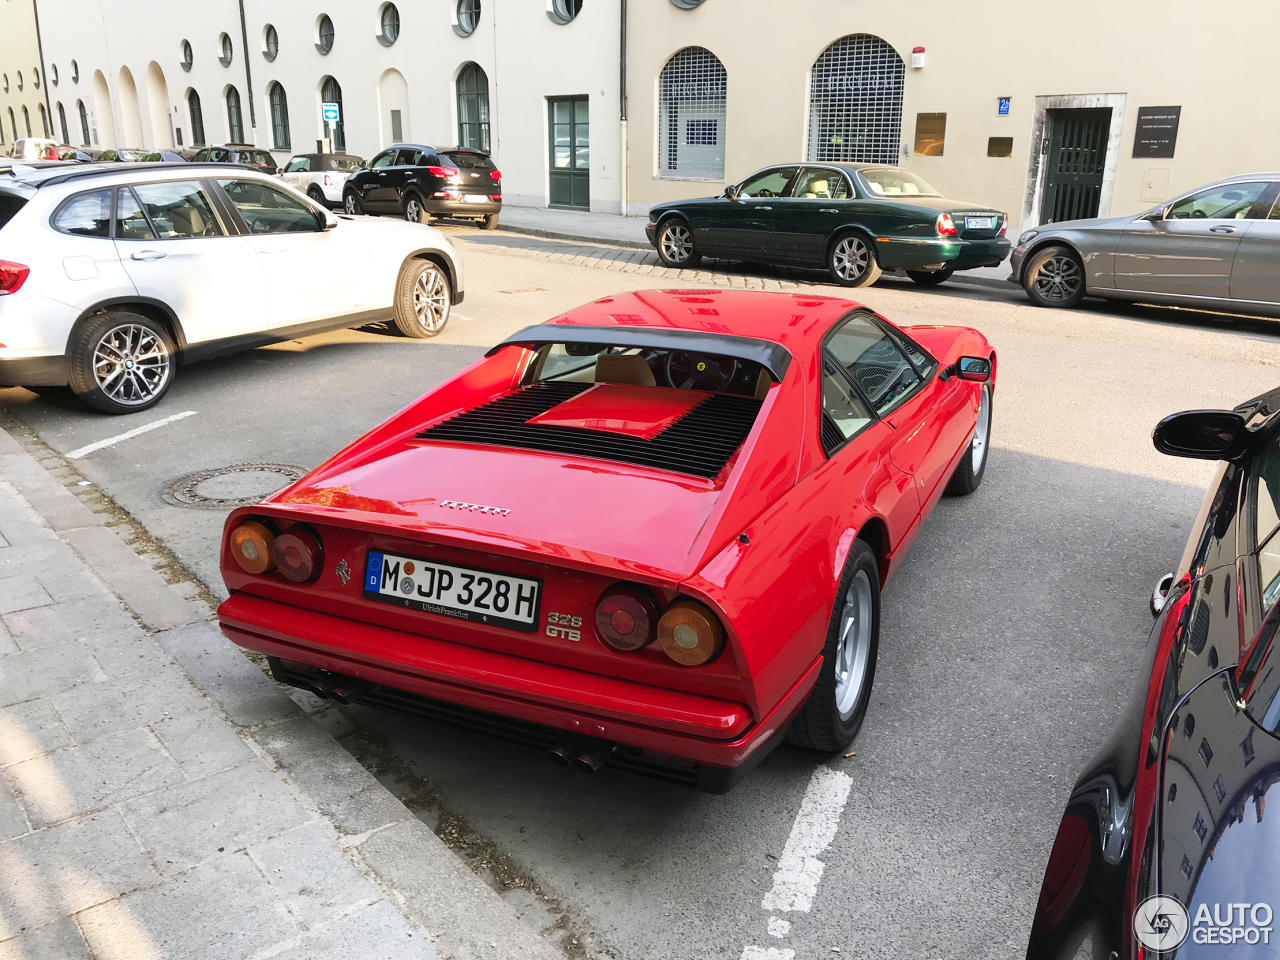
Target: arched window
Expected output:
[84,123]
[26,118]
[473,108]
[13,124]
[197,117]
[62,122]
[235,120]
[331,92]
[691,96]
[44,119]
[855,102]
[279,118]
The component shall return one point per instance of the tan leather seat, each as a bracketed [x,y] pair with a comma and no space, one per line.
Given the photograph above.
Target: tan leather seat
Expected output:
[762,384]
[624,368]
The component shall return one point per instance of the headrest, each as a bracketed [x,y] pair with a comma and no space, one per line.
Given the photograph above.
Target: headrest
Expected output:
[624,368]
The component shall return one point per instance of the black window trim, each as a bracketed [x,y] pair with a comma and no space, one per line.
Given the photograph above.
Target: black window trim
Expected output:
[899,338]
[831,365]
[156,238]
[225,199]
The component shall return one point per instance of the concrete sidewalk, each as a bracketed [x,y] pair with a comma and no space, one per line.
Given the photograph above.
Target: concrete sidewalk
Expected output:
[615,231]
[161,798]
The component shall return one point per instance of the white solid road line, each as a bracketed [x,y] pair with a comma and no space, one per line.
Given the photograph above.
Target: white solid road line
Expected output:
[795,882]
[129,434]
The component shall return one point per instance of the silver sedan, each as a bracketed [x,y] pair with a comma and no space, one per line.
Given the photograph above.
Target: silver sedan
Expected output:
[1216,247]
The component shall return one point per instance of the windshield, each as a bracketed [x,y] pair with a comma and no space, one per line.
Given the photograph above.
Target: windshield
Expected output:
[893,182]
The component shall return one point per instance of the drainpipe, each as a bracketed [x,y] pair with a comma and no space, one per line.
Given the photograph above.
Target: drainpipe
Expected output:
[622,105]
[44,74]
[248,77]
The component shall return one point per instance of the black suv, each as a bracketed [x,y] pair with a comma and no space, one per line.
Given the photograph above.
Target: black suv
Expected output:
[421,183]
[245,153]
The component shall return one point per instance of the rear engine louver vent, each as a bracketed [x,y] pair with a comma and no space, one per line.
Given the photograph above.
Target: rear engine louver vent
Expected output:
[700,443]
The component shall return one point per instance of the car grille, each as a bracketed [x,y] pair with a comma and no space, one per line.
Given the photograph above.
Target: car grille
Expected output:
[699,444]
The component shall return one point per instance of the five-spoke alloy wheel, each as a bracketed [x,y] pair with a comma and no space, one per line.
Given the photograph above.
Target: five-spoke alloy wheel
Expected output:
[424,298]
[852,262]
[122,362]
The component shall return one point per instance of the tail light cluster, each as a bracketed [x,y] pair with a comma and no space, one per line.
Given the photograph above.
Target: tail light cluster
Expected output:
[297,553]
[1004,225]
[12,276]
[495,174]
[628,619]
[946,226]
[445,173]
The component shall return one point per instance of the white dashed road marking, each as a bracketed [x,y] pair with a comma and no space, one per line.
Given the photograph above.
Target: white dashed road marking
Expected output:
[89,448]
[795,882]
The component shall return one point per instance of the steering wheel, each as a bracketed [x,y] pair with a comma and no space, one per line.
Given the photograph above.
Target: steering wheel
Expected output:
[698,371]
[1198,214]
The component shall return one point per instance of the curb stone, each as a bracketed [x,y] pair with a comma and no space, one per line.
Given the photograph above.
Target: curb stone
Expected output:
[466,919]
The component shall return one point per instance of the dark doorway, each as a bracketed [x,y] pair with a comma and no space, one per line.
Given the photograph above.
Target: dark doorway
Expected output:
[1077,157]
[570,153]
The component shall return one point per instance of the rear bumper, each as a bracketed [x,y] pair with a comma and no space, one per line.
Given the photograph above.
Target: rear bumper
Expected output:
[34,371]
[441,207]
[696,728]
[909,253]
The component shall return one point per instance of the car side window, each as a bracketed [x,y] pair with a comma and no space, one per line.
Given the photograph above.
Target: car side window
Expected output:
[299,165]
[407,158]
[1231,201]
[1267,519]
[86,215]
[200,157]
[266,209]
[383,160]
[821,185]
[771,183]
[178,210]
[874,361]
[131,221]
[841,405]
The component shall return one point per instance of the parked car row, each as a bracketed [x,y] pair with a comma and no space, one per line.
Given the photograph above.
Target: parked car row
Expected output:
[111,275]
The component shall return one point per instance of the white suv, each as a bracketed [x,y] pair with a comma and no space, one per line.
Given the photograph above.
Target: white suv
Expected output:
[110,276]
[321,175]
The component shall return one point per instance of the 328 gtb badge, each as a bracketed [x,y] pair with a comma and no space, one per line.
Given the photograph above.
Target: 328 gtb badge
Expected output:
[564,625]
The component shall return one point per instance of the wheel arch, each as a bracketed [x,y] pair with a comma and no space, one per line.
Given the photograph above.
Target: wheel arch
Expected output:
[440,259]
[156,310]
[1039,245]
[874,532]
[847,229]
[673,215]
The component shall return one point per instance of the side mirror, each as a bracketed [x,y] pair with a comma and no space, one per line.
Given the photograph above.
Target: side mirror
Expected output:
[325,220]
[977,369]
[1201,435]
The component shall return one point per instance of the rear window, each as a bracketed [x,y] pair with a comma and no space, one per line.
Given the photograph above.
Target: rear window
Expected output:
[466,160]
[256,156]
[10,205]
[345,163]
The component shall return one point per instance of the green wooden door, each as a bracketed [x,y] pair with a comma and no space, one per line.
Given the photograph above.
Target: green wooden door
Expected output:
[1077,156]
[570,153]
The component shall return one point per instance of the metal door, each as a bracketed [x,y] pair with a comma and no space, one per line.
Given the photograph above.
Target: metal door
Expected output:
[1077,154]
[570,145]
[804,220]
[1256,272]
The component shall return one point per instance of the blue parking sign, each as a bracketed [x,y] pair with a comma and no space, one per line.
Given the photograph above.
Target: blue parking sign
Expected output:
[329,112]
[1002,106]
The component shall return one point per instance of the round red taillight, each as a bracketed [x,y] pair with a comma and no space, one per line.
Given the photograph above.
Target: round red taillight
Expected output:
[626,619]
[689,633]
[251,545]
[299,556]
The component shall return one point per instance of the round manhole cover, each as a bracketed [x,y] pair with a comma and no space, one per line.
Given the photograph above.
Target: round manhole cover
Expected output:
[237,485]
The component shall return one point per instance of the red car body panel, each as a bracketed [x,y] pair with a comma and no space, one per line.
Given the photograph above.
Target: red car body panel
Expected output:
[763,543]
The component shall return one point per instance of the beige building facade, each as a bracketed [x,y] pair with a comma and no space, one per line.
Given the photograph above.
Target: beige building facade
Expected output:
[23,104]
[1044,113]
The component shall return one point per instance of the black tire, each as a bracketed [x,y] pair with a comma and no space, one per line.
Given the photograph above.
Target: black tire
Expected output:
[821,724]
[1054,277]
[852,262]
[424,299]
[316,194]
[413,210]
[351,203]
[490,222]
[675,244]
[973,464]
[122,362]
[930,278]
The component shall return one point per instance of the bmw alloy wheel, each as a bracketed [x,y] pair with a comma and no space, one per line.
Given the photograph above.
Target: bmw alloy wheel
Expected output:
[982,432]
[851,258]
[677,243]
[1059,278]
[431,300]
[131,365]
[412,210]
[853,652]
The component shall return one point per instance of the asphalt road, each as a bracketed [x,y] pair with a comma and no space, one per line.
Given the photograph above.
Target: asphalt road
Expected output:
[1008,641]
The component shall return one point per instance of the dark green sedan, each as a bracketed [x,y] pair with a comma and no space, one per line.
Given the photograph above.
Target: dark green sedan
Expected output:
[855,219]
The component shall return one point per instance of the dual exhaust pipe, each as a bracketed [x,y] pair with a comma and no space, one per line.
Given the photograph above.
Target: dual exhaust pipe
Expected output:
[586,754]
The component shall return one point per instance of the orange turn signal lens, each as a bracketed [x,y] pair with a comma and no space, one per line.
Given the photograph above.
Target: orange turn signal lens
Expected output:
[689,633]
[252,544]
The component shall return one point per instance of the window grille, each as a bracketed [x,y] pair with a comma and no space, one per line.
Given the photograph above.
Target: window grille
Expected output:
[331,92]
[855,102]
[235,120]
[279,118]
[193,107]
[691,116]
[473,108]
[324,34]
[468,17]
[270,43]
[84,123]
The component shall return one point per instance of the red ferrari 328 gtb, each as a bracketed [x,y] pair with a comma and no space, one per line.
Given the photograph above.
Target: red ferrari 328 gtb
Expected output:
[651,533]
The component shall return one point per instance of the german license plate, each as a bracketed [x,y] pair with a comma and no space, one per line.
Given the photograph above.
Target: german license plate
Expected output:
[464,593]
[475,198]
[979,223]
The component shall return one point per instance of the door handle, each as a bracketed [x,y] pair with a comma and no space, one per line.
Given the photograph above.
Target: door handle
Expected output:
[271,249]
[148,255]
[828,210]
[1222,229]
[764,208]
